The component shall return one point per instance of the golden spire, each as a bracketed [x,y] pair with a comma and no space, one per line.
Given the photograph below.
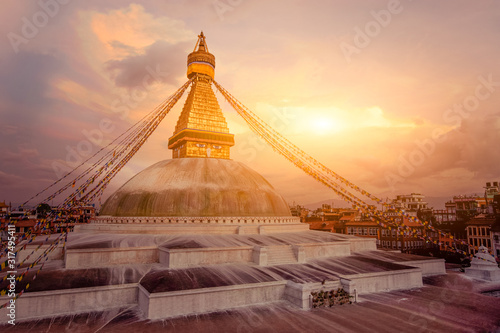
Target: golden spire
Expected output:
[201,130]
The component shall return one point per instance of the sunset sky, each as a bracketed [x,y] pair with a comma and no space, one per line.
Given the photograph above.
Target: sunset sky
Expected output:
[396,96]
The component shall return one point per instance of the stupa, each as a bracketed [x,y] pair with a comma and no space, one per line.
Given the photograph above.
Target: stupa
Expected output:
[484,266]
[200,185]
[201,233]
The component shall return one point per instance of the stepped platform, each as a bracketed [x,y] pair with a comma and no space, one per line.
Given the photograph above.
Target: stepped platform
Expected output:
[166,276]
[446,304]
[429,265]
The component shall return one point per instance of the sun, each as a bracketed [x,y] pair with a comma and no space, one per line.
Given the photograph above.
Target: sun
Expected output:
[323,125]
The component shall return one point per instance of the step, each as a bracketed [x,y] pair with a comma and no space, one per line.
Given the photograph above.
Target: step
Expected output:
[197,301]
[282,254]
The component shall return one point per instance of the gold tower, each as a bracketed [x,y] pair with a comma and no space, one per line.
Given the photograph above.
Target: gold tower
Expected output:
[201,130]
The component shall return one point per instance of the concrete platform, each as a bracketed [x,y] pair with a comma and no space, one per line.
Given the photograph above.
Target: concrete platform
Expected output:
[170,275]
[428,265]
[46,304]
[451,307]
[88,258]
[198,301]
[183,251]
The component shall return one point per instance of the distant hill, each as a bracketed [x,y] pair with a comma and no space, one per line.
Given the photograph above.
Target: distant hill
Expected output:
[433,202]
[437,202]
[337,203]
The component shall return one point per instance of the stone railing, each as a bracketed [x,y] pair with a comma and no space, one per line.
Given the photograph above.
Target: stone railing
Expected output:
[196,220]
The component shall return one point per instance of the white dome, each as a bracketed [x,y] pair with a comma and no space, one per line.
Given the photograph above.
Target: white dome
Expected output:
[196,187]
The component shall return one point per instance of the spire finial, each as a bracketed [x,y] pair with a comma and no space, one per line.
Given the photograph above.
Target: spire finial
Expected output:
[201,44]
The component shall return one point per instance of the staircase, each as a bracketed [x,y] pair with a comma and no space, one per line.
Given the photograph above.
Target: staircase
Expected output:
[280,255]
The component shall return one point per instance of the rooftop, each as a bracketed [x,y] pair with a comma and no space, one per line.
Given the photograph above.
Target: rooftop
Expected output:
[482,220]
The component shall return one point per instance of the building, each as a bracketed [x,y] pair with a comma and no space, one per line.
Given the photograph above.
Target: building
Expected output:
[456,214]
[495,239]
[479,232]
[363,227]
[446,216]
[329,219]
[82,214]
[347,216]
[24,224]
[26,219]
[4,208]
[350,222]
[495,228]
[467,206]
[409,237]
[296,210]
[328,226]
[481,226]
[410,203]
[486,203]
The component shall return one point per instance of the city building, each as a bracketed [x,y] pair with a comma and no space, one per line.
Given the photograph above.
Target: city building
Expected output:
[328,226]
[485,203]
[400,238]
[296,210]
[329,219]
[467,206]
[4,208]
[363,227]
[456,214]
[23,219]
[483,213]
[347,216]
[479,232]
[410,203]
[495,239]
[83,214]
[495,228]
[446,216]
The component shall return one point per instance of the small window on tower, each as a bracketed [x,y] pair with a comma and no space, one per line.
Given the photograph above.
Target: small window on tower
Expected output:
[199,145]
[217,147]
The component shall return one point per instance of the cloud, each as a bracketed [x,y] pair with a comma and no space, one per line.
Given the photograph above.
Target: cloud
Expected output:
[476,141]
[164,59]
[23,170]
[356,119]
[464,159]
[8,130]
[135,27]
[9,180]
[28,74]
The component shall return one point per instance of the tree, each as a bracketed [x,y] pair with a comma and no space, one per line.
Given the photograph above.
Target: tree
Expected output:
[43,210]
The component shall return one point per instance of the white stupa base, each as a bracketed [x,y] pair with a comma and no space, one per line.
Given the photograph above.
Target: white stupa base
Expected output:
[193,225]
[483,266]
[483,272]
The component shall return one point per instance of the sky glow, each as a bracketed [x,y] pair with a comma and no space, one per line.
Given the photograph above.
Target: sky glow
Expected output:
[396,96]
